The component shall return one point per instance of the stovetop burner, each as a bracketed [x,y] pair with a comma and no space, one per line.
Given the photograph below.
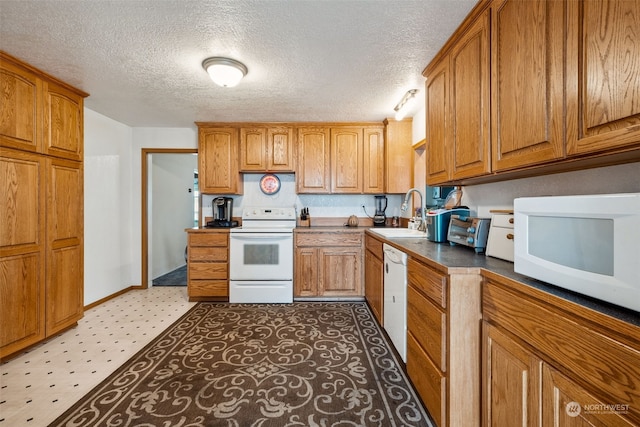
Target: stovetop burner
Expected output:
[220,223]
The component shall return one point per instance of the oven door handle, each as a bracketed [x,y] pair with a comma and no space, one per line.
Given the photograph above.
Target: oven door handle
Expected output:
[261,236]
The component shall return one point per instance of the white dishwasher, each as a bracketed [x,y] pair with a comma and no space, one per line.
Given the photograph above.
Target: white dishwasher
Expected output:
[395,298]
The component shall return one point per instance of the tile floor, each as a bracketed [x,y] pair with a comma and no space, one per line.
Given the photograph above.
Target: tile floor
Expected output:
[40,384]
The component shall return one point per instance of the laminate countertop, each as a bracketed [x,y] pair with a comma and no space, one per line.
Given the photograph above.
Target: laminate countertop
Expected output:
[461,259]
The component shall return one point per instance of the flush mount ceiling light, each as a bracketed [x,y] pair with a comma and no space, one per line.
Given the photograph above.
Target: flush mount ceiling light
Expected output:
[225,72]
[404,104]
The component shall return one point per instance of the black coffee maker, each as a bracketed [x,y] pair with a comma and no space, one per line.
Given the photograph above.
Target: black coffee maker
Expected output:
[222,213]
[379,218]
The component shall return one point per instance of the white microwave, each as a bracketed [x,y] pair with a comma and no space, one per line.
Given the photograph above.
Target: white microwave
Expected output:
[588,244]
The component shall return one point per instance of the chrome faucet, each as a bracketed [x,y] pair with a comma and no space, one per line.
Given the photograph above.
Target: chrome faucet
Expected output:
[405,205]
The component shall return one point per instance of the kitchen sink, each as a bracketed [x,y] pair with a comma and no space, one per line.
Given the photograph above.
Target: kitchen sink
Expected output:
[391,233]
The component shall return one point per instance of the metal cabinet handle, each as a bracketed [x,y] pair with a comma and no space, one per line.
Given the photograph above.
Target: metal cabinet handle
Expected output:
[510,236]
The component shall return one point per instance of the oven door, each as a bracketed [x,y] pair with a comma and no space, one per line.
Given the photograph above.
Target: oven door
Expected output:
[261,256]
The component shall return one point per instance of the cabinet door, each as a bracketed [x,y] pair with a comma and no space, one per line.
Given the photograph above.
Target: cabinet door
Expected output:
[603,95]
[306,272]
[346,160]
[253,149]
[527,85]
[313,174]
[470,102]
[281,149]
[512,378]
[65,275]
[437,99]
[218,161]
[22,250]
[373,284]
[398,156]
[63,122]
[20,125]
[565,404]
[373,173]
[340,271]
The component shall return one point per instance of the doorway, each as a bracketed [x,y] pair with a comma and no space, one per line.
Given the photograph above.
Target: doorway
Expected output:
[169,198]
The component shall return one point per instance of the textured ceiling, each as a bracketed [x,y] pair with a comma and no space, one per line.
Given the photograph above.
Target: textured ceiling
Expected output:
[320,60]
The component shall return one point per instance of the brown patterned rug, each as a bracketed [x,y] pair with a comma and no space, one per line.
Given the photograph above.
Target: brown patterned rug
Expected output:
[259,365]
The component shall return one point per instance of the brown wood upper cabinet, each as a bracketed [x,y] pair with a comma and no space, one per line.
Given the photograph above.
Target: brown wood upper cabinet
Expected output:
[563,84]
[340,159]
[527,39]
[218,160]
[603,66]
[267,149]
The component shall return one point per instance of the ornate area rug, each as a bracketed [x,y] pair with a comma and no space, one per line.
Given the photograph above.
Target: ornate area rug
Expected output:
[240,365]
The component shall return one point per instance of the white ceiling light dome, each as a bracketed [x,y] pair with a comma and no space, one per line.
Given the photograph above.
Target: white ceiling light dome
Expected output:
[225,72]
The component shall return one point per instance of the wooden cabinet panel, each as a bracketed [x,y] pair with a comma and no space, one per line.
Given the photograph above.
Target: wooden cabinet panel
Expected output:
[469,102]
[430,384]
[429,326]
[218,171]
[65,260]
[566,404]
[267,149]
[512,382]
[603,95]
[346,160]
[373,166]
[398,156]
[63,122]
[429,281]
[340,271]
[253,149]
[313,171]
[437,99]
[281,146]
[22,197]
[22,298]
[306,272]
[527,41]
[374,276]
[20,98]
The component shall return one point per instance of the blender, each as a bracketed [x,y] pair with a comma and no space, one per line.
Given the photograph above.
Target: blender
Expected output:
[379,218]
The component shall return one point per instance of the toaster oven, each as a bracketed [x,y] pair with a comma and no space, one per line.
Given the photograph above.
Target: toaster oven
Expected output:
[469,231]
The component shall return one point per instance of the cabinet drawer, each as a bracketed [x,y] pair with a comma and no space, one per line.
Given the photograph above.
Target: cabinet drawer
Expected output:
[428,381]
[427,323]
[197,253]
[209,288]
[374,245]
[208,239]
[429,281]
[328,239]
[500,243]
[502,220]
[208,270]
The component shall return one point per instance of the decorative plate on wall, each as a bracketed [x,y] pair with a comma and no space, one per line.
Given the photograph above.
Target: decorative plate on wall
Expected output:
[270,184]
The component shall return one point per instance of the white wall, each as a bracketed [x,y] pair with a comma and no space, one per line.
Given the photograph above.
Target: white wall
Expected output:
[109,252]
[612,179]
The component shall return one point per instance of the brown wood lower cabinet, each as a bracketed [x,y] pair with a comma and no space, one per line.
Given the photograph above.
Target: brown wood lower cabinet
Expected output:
[374,276]
[444,341]
[551,362]
[208,265]
[328,264]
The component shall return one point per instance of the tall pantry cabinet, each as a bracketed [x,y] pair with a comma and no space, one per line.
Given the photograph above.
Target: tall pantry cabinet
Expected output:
[41,205]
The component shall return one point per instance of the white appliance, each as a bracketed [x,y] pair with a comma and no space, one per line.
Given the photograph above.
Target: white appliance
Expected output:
[587,244]
[395,298]
[261,256]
